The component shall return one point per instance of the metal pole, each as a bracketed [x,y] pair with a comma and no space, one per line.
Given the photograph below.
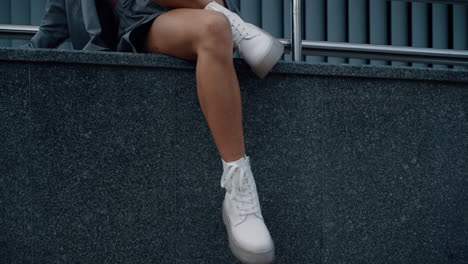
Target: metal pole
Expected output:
[17,31]
[296,30]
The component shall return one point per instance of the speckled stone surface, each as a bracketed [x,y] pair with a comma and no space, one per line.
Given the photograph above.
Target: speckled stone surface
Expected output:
[15,202]
[109,159]
[101,165]
[395,164]
[283,164]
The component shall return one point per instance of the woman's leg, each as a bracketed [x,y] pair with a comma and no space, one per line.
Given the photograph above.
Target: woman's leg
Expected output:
[205,36]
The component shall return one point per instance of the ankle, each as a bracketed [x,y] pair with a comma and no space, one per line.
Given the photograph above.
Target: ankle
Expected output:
[234,160]
[236,163]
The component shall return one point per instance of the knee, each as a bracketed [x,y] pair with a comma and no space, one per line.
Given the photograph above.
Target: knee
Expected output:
[215,33]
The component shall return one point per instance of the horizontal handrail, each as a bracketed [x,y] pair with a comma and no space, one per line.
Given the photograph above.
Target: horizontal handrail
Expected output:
[371,52]
[382,52]
[326,48]
[17,31]
[449,2]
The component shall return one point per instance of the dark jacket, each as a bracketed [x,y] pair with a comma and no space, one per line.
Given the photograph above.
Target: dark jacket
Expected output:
[89,24]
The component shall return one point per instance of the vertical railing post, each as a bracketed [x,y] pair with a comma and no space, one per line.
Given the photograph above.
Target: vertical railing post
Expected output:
[296,30]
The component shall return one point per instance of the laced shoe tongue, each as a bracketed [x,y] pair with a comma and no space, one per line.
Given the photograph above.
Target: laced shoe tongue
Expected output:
[242,30]
[239,186]
[245,196]
[243,186]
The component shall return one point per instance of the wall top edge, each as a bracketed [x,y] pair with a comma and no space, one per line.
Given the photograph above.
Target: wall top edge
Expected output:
[120,59]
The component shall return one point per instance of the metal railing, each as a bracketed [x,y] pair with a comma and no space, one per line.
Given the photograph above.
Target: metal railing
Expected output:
[461,2]
[17,31]
[298,47]
[296,30]
[381,52]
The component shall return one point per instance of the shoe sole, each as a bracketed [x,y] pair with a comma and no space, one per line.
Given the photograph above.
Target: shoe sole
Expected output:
[270,59]
[245,256]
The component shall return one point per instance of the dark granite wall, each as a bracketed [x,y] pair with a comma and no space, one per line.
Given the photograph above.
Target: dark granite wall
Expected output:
[106,158]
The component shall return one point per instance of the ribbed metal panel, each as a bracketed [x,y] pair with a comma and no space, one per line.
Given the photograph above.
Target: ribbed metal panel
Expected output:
[37,11]
[336,24]
[251,11]
[419,28]
[378,25]
[315,24]
[272,17]
[20,14]
[357,25]
[440,28]
[287,24]
[399,27]
[460,28]
[5,18]
[380,22]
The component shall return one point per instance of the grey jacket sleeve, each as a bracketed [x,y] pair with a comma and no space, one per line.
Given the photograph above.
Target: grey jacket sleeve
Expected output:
[53,30]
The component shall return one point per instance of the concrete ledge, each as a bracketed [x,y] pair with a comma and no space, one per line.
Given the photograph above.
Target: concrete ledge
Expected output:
[106,157]
[162,61]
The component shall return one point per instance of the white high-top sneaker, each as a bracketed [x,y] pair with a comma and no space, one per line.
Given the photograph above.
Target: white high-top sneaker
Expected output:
[248,236]
[259,49]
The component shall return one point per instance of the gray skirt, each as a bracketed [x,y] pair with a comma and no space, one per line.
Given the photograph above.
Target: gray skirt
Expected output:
[136,17]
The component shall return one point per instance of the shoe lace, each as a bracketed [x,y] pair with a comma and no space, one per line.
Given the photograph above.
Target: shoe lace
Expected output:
[239,180]
[240,30]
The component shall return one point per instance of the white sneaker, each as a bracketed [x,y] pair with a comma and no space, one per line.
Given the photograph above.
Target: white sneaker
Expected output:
[248,236]
[260,50]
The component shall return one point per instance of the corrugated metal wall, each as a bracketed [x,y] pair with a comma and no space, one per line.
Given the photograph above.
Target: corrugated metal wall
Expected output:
[357,21]
[22,12]
[366,21]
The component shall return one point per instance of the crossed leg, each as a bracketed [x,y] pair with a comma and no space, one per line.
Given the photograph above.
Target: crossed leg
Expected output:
[205,36]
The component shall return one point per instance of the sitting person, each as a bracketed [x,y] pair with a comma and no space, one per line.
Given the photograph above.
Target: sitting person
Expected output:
[87,24]
[207,32]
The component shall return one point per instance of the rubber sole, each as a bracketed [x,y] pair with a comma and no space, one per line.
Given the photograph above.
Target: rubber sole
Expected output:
[244,255]
[272,56]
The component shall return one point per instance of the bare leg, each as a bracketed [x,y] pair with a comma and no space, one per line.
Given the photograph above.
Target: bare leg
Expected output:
[206,36]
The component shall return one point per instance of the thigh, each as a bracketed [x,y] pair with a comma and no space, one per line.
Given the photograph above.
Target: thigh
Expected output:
[177,32]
